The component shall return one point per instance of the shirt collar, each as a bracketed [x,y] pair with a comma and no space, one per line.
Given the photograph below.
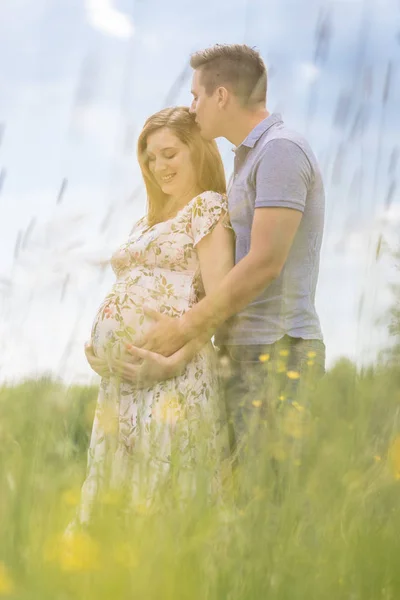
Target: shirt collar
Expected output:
[255,134]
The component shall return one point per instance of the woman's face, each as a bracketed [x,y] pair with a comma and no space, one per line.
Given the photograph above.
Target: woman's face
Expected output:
[170,163]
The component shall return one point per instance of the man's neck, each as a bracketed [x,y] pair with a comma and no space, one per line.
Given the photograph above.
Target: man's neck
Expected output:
[243,124]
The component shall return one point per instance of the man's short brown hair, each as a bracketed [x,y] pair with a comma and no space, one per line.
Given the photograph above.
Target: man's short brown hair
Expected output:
[235,66]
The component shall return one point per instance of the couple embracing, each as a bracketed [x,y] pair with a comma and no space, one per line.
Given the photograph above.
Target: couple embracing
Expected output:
[210,282]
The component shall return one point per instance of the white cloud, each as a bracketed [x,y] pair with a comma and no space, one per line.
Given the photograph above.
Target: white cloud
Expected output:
[98,122]
[390,216]
[151,41]
[104,17]
[309,72]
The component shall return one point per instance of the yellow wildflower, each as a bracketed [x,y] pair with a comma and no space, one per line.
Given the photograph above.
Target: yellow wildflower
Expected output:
[394,457]
[284,353]
[311,354]
[257,403]
[6,583]
[282,397]
[310,363]
[293,374]
[263,358]
[298,406]
[377,458]
[79,553]
[71,497]
[168,410]
[75,551]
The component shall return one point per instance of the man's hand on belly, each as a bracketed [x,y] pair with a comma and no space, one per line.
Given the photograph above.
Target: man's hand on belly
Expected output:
[166,336]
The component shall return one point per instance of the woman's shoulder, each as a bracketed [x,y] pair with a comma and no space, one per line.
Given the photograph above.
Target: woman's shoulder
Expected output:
[142,222]
[207,210]
[210,198]
[212,194]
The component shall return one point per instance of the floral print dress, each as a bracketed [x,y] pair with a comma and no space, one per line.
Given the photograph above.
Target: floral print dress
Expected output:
[137,433]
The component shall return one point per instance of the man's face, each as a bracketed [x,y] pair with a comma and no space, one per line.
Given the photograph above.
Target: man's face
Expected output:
[208,114]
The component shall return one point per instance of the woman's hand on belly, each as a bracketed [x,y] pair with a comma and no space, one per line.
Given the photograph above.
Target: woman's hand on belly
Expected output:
[144,368]
[98,365]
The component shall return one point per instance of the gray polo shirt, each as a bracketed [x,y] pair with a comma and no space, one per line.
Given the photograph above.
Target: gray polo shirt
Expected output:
[275,167]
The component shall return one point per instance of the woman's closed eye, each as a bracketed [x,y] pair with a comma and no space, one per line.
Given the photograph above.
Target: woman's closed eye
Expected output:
[169,155]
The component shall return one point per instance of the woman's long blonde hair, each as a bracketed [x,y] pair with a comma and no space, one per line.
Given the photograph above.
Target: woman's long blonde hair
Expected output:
[205,156]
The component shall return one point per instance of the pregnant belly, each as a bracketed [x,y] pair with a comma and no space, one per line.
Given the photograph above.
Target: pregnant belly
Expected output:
[121,320]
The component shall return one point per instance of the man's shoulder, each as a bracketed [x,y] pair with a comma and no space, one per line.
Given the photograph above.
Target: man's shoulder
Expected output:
[285,140]
[284,134]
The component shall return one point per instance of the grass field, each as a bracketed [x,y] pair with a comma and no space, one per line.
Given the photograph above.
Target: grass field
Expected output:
[321,518]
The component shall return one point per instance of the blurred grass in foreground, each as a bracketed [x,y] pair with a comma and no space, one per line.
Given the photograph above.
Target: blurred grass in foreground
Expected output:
[322,519]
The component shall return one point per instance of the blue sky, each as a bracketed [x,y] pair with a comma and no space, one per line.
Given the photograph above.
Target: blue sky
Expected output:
[77,80]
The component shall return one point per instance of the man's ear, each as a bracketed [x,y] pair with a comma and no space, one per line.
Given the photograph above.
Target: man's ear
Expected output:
[222,96]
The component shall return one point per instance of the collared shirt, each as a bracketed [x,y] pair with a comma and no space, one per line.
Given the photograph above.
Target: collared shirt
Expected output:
[275,167]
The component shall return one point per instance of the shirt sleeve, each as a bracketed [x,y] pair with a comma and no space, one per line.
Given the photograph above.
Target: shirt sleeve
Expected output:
[207,210]
[283,176]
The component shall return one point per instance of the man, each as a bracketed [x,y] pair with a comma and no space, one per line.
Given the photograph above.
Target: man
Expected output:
[276,207]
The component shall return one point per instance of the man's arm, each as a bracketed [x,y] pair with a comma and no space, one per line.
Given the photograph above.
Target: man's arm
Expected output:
[272,235]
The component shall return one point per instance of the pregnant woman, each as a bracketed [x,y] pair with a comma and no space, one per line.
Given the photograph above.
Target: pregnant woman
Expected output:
[174,255]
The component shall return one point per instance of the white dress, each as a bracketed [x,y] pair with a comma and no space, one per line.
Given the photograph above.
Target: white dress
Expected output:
[138,434]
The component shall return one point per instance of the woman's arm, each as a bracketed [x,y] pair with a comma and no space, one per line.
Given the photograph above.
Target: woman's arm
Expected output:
[216,252]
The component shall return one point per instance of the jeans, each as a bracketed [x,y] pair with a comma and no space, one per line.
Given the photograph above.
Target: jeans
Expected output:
[256,379]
